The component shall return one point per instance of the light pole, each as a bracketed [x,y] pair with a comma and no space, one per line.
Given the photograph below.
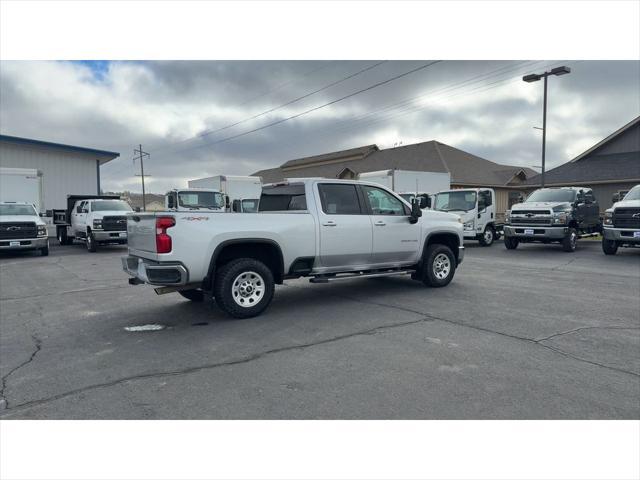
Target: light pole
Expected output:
[534,77]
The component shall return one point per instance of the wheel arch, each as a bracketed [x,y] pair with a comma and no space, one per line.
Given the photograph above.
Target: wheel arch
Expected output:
[264,249]
[450,239]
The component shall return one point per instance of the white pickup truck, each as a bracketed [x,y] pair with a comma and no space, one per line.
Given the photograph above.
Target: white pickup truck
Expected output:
[21,228]
[324,229]
[92,219]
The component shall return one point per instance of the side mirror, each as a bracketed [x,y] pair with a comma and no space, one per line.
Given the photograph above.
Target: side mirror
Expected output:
[615,197]
[227,203]
[424,202]
[171,202]
[236,206]
[416,212]
[137,209]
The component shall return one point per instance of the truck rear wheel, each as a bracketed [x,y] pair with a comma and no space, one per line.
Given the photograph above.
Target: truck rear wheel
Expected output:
[609,247]
[487,237]
[244,287]
[570,241]
[440,266]
[195,295]
[63,238]
[511,242]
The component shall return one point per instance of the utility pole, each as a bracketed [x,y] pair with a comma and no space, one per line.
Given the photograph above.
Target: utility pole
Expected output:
[141,154]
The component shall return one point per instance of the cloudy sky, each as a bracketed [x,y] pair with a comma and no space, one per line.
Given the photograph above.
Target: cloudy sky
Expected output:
[201,118]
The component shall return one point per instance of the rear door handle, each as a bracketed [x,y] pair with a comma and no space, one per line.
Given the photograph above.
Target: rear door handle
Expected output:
[379,223]
[329,223]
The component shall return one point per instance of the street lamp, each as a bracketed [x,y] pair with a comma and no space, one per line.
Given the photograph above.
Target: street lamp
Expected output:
[534,77]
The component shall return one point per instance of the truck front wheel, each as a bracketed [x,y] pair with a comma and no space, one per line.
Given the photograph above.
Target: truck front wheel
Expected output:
[440,266]
[91,242]
[570,241]
[244,287]
[487,236]
[609,247]
[511,242]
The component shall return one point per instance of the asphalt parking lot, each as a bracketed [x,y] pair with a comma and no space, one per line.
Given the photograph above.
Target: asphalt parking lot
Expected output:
[533,333]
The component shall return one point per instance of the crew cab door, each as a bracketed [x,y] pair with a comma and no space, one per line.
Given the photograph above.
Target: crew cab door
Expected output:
[486,210]
[592,215]
[79,217]
[395,239]
[344,226]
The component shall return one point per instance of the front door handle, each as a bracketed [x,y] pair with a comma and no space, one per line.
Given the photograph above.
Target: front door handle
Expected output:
[329,223]
[379,223]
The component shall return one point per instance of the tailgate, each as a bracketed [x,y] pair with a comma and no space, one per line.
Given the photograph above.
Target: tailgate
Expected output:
[141,234]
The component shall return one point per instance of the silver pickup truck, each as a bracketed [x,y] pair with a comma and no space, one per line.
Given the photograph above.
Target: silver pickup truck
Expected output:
[622,223]
[327,230]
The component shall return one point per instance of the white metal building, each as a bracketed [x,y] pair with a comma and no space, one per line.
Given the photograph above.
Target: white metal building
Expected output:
[65,169]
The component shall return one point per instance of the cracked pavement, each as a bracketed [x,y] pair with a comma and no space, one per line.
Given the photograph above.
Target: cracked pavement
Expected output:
[534,333]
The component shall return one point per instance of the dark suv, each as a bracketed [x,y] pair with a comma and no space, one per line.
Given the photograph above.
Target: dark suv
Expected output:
[553,215]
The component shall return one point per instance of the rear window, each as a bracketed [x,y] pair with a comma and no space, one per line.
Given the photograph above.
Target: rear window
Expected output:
[282,197]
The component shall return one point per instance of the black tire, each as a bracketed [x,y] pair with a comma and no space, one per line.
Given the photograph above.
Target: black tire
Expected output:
[195,295]
[438,272]
[609,247]
[487,237]
[225,289]
[92,246]
[511,242]
[570,241]
[45,251]
[63,239]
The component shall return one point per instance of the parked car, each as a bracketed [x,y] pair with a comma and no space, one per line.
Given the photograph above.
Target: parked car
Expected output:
[476,207]
[92,219]
[327,230]
[21,228]
[549,215]
[621,226]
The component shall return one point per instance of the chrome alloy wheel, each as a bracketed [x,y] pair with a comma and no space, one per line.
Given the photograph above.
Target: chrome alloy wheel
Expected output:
[441,266]
[248,289]
[574,240]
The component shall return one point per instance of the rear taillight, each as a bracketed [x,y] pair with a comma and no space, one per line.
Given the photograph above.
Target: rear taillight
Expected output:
[163,241]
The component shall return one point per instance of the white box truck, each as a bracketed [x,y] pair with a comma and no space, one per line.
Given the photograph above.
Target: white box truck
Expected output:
[411,184]
[21,185]
[237,188]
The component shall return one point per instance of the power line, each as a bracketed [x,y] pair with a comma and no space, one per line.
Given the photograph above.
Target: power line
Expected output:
[290,102]
[277,122]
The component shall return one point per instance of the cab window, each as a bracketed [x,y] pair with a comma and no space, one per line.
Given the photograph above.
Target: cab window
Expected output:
[339,199]
[384,203]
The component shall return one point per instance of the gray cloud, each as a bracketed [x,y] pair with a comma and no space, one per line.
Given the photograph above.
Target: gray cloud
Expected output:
[479,106]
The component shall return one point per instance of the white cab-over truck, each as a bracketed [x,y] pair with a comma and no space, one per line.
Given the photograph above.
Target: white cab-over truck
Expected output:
[476,207]
[621,226]
[241,193]
[193,199]
[92,219]
[21,228]
[328,230]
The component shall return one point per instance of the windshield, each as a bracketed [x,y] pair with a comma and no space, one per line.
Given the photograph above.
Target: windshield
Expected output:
[110,205]
[17,210]
[455,201]
[200,199]
[634,194]
[250,205]
[552,195]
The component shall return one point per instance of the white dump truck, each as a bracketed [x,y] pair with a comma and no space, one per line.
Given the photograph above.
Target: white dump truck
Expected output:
[411,184]
[241,192]
[92,219]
